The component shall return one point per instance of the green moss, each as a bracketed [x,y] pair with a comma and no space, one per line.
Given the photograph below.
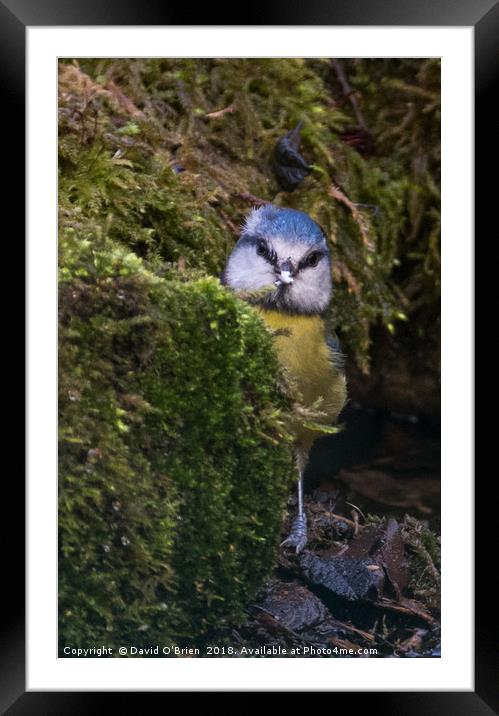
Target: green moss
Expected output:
[425,554]
[174,467]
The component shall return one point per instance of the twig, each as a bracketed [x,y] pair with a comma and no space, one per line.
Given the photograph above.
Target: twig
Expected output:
[355,516]
[359,219]
[358,509]
[349,92]
[233,228]
[251,198]
[405,606]
[372,207]
[343,519]
[221,112]
[124,102]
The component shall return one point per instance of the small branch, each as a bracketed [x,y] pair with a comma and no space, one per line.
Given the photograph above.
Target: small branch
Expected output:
[124,102]
[357,509]
[233,228]
[338,194]
[221,112]
[349,92]
[251,198]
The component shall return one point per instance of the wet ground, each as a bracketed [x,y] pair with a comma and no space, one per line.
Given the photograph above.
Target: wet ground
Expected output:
[368,583]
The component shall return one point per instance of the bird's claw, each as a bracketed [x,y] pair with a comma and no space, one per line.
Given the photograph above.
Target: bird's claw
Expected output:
[298,536]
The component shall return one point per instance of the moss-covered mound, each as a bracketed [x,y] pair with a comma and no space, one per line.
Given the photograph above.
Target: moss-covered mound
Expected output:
[174,469]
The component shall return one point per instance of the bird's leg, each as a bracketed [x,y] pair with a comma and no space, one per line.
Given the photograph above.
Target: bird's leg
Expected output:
[298,536]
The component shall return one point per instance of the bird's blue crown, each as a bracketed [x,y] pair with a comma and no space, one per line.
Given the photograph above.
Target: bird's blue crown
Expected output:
[277,221]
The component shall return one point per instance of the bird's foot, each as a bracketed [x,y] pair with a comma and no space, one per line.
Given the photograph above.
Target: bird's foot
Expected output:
[298,535]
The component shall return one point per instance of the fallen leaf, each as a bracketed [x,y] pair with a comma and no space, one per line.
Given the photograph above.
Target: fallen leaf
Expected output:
[293,605]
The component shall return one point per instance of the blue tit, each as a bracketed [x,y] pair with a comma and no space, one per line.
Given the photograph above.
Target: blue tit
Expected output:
[282,259]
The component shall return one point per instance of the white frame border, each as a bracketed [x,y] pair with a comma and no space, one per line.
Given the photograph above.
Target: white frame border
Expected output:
[454,670]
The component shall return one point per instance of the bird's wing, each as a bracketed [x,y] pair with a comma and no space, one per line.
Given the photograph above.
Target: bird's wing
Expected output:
[337,356]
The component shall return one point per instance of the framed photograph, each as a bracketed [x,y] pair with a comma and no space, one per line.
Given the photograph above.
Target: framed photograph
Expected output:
[250,354]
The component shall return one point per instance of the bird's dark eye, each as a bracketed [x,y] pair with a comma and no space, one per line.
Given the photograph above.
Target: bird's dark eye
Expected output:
[261,248]
[313,259]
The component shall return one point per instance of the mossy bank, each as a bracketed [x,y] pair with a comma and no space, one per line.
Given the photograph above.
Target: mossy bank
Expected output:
[174,467]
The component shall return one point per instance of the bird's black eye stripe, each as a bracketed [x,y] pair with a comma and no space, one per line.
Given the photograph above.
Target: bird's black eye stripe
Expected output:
[262,249]
[312,259]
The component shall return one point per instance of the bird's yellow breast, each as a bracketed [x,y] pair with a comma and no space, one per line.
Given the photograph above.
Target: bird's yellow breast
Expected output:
[302,349]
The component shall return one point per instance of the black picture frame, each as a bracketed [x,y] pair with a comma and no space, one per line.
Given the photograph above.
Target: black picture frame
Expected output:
[483,15]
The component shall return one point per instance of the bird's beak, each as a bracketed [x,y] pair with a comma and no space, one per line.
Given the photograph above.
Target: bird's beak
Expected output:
[285,273]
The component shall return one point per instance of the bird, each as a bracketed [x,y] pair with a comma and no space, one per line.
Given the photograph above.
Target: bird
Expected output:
[282,261]
[289,166]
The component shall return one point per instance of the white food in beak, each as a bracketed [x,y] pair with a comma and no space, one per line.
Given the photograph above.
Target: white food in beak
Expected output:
[285,277]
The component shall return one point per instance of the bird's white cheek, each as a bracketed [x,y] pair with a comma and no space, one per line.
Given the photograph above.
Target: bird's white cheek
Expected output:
[246,271]
[309,295]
